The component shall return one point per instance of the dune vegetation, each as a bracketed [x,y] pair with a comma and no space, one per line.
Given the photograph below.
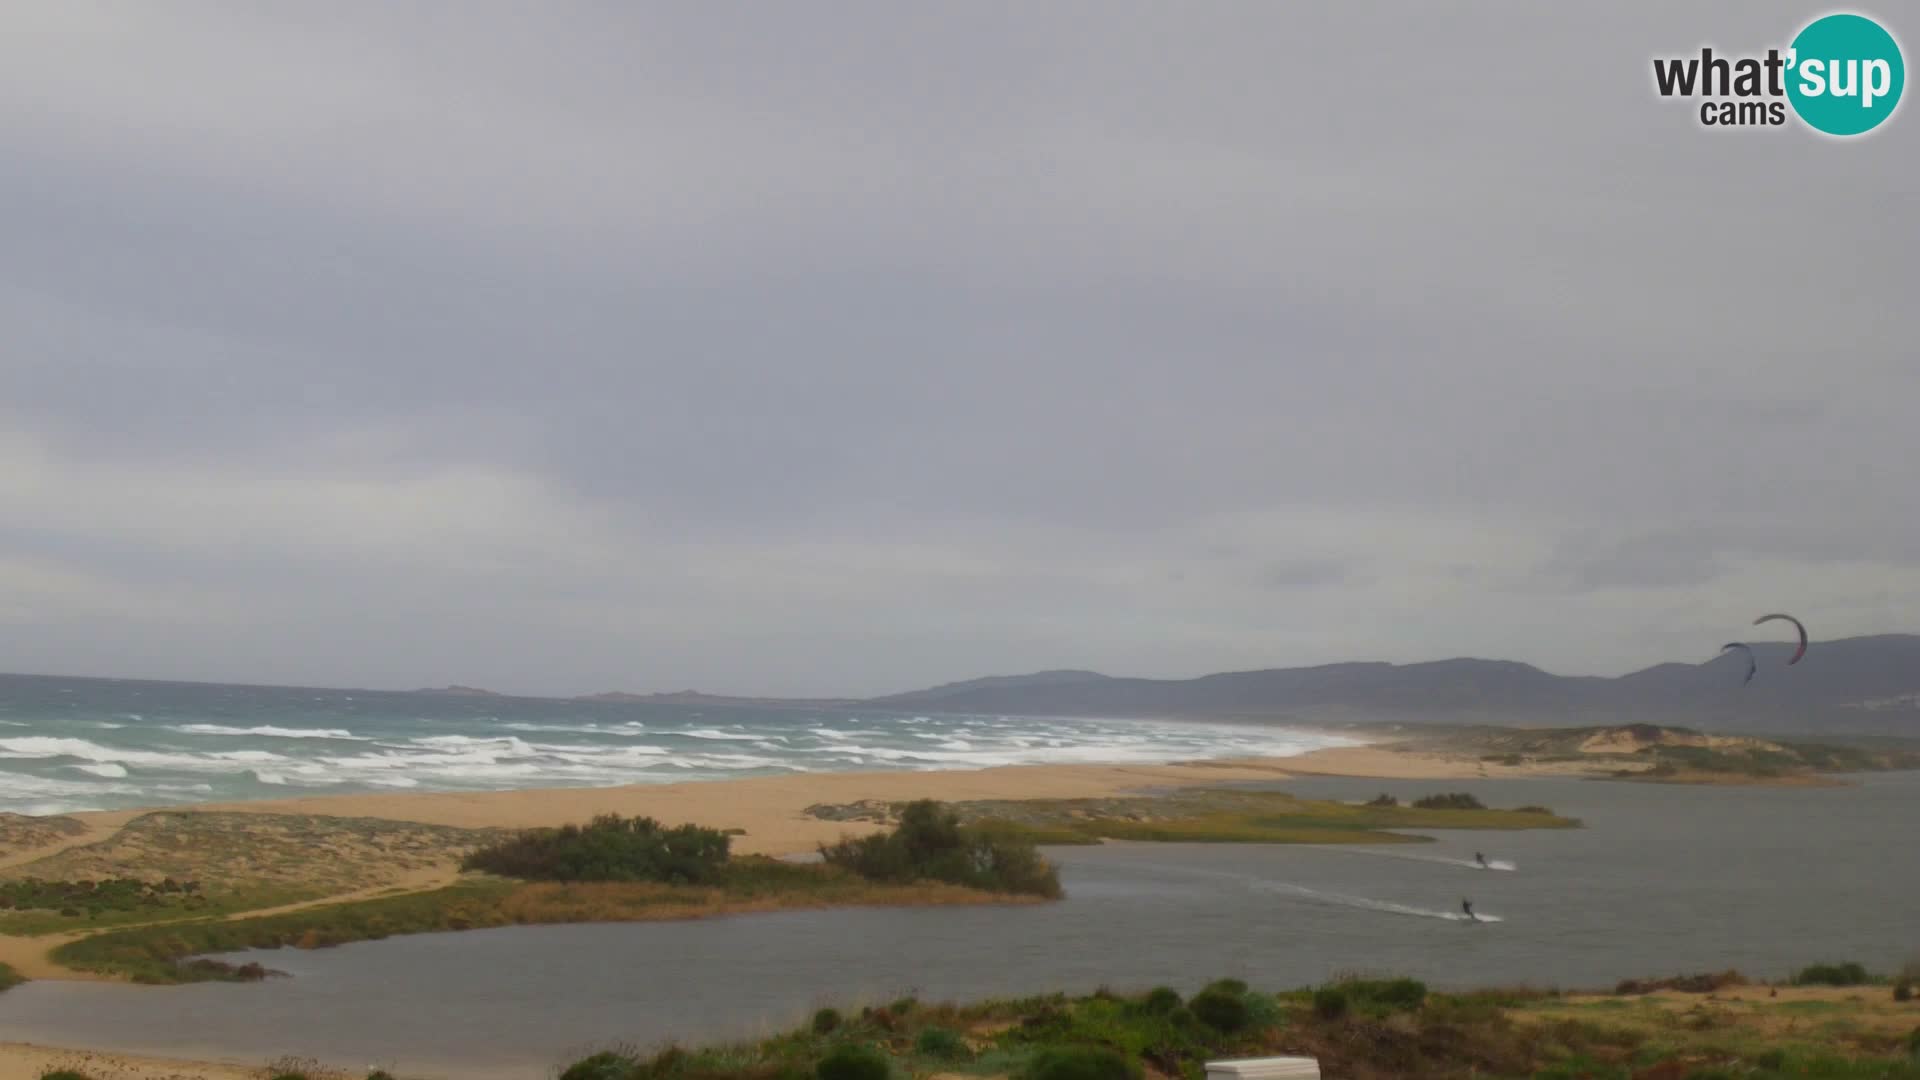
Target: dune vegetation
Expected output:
[1358,1029]
[610,870]
[1223,816]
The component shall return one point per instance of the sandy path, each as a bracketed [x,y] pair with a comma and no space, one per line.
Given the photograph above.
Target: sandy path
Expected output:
[26,1061]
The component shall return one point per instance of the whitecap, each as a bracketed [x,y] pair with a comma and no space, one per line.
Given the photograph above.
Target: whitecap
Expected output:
[107,769]
[269,731]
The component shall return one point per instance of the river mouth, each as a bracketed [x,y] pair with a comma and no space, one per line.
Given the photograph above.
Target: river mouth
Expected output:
[1663,880]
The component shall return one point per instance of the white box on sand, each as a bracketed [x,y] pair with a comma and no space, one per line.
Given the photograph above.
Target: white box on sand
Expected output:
[1273,1068]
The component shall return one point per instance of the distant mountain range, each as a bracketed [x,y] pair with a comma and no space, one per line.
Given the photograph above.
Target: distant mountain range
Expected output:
[1863,685]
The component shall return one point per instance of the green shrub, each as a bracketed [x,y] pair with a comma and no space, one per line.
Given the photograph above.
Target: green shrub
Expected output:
[605,1065]
[609,848]
[1903,991]
[1387,995]
[1330,1003]
[904,1006]
[1772,1060]
[379,1074]
[1161,1000]
[1228,986]
[1383,799]
[930,844]
[63,1074]
[936,1042]
[1220,1010]
[825,1020]
[851,1061]
[1263,1010]
[1847,974]
[1454,800]
[1080,1063]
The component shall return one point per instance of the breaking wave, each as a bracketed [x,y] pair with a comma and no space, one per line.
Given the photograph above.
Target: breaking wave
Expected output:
[269,731]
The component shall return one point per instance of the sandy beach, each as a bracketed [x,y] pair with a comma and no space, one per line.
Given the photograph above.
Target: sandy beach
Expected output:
[772,809]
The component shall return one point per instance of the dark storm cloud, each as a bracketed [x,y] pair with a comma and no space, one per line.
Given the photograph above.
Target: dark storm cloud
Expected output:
[830,353]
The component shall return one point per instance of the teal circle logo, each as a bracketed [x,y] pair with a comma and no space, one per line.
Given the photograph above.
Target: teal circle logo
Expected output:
[1846,74]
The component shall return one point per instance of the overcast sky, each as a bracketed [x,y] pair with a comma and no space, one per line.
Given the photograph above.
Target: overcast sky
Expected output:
[848,348]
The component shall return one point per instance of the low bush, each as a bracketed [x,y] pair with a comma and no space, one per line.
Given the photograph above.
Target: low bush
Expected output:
[1080,1063]
[605,1065]
[1845,974]
[63,1074]
[825,1021]
[609,848]
[942,1043]
[930,844]
[1222,1011]
[851,1061]
[1455,800]
[1383,800]
[1703,983]
[1161,1000]
[1386,995]
[1329,1003]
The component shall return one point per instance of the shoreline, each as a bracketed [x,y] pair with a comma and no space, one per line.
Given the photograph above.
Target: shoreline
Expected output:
[772,809]
[772,813]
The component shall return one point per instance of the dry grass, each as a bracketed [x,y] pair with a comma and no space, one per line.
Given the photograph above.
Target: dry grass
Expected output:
[267,853]
[20,833]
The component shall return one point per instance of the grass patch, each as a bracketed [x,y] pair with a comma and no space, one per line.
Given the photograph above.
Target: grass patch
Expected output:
[1228,816]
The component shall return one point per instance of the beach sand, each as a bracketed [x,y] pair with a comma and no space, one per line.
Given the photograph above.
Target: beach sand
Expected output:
[26,1061]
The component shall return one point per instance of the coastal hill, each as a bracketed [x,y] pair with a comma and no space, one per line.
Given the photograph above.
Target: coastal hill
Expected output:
[695,697]
[456,690]
[1863,685]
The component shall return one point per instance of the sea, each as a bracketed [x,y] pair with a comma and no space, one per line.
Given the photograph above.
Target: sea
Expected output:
[99,744]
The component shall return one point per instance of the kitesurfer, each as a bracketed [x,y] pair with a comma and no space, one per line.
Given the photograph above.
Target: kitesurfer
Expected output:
[1467,906]
[1482,860]
[1798,652]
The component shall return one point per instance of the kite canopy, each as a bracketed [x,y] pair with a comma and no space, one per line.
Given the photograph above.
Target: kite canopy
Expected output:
[1746,651]
[1802,650]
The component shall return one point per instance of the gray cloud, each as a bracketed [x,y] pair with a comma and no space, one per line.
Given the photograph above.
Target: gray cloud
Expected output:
[847,352]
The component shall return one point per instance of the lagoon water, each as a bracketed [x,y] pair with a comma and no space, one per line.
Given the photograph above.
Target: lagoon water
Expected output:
[1662,880]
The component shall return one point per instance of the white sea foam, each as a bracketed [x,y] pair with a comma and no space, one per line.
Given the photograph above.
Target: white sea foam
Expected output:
[710,733]
[107,769]
[269,731]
